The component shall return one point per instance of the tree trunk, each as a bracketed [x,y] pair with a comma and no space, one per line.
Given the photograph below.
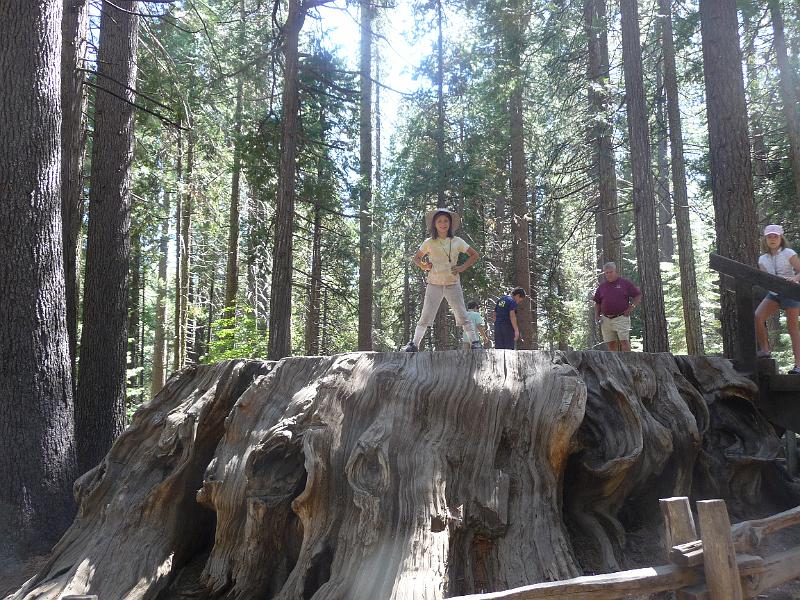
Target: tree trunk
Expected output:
[379,212]
[407,309]
[100,400]
[666,245]
[653,317]
[176,340]
[37,460]
[788,82]
[314,287]
[157,377]
[232,267]
[691,303]
[317,477]
[186,249]
[74,27]
[595,24]
[134,307]
[519,209]
[365,291]
[441,339]
[280,301]
[729,146]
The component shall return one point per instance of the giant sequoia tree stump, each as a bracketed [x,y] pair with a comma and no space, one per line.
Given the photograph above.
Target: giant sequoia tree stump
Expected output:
[407,476]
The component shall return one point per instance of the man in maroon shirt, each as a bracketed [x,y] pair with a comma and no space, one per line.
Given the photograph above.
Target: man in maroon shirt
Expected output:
[613,302]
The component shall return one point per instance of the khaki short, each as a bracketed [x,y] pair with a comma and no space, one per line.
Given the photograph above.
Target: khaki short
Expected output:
[618,328]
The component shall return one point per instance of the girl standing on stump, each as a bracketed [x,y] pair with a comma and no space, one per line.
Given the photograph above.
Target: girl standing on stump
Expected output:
[783,262]
[442,250]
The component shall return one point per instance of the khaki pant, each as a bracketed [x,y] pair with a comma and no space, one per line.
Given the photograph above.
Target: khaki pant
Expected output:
[618,328]
[434,294]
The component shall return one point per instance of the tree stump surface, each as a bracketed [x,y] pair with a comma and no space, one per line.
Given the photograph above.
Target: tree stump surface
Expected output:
[409,476]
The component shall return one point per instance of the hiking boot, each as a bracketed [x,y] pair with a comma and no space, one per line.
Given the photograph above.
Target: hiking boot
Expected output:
[476,345]
[410,347]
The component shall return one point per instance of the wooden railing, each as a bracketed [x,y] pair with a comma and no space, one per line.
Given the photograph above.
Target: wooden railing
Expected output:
[716,566]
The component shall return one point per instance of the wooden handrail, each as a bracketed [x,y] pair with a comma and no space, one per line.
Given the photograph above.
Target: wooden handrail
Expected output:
[746,535]
[649,580]
[755,277]
[755,574]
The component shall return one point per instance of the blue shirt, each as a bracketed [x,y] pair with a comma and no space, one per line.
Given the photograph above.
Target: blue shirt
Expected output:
[502,309]
[477,320]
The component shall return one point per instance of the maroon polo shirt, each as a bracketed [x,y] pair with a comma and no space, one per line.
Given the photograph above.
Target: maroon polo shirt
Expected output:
[614,298]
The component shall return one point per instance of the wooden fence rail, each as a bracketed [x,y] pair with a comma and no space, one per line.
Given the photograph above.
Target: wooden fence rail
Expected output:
[714,567]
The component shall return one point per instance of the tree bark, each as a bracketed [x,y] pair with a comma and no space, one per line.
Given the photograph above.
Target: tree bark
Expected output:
[100,400]
[232,266]
[280,301]
[37,460]
[318,477]
[134,306]
[680,197]
[74,27]
[729,146]
[440,324]
[365,288]
[788,81]
[314,287]
[520,224]
[595,24]
[379,212]
[666,244]
[157,377]
[186,249]
[176,340]
[653,317]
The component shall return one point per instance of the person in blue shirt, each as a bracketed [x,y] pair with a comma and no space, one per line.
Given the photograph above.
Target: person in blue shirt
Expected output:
[506,331]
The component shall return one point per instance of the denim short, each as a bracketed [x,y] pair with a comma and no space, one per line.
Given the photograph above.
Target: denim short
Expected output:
[784,302]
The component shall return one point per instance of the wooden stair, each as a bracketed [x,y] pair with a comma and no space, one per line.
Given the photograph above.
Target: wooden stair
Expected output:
[779,395]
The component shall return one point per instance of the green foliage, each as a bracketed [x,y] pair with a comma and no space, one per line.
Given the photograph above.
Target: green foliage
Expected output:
[192,57]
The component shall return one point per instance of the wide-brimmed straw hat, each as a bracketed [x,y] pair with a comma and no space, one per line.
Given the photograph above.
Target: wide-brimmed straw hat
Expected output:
[455,218]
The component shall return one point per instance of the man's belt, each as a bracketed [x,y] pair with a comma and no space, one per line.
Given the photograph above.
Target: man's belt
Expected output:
[614,316]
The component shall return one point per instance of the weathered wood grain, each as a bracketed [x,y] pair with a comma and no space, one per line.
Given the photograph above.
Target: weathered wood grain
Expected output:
[719,560]
[422,476]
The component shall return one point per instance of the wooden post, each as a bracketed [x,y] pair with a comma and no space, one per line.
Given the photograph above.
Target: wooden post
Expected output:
[746,359]
[719,555]
[678,521]
[791,452]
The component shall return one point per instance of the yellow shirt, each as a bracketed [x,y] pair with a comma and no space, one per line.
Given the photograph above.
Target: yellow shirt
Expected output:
[443,255]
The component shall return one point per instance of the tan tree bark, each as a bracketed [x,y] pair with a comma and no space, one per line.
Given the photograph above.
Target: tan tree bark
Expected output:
[74,27]
[280,301]
[187,208]
[600,133]
[788,81]
[365,267]
[232,264]
[176,337]
[158,371]
[100,398]
[680,196]
[729,146]
[653,316]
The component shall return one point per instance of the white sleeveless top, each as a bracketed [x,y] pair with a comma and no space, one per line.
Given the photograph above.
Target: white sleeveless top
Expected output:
[778,263]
